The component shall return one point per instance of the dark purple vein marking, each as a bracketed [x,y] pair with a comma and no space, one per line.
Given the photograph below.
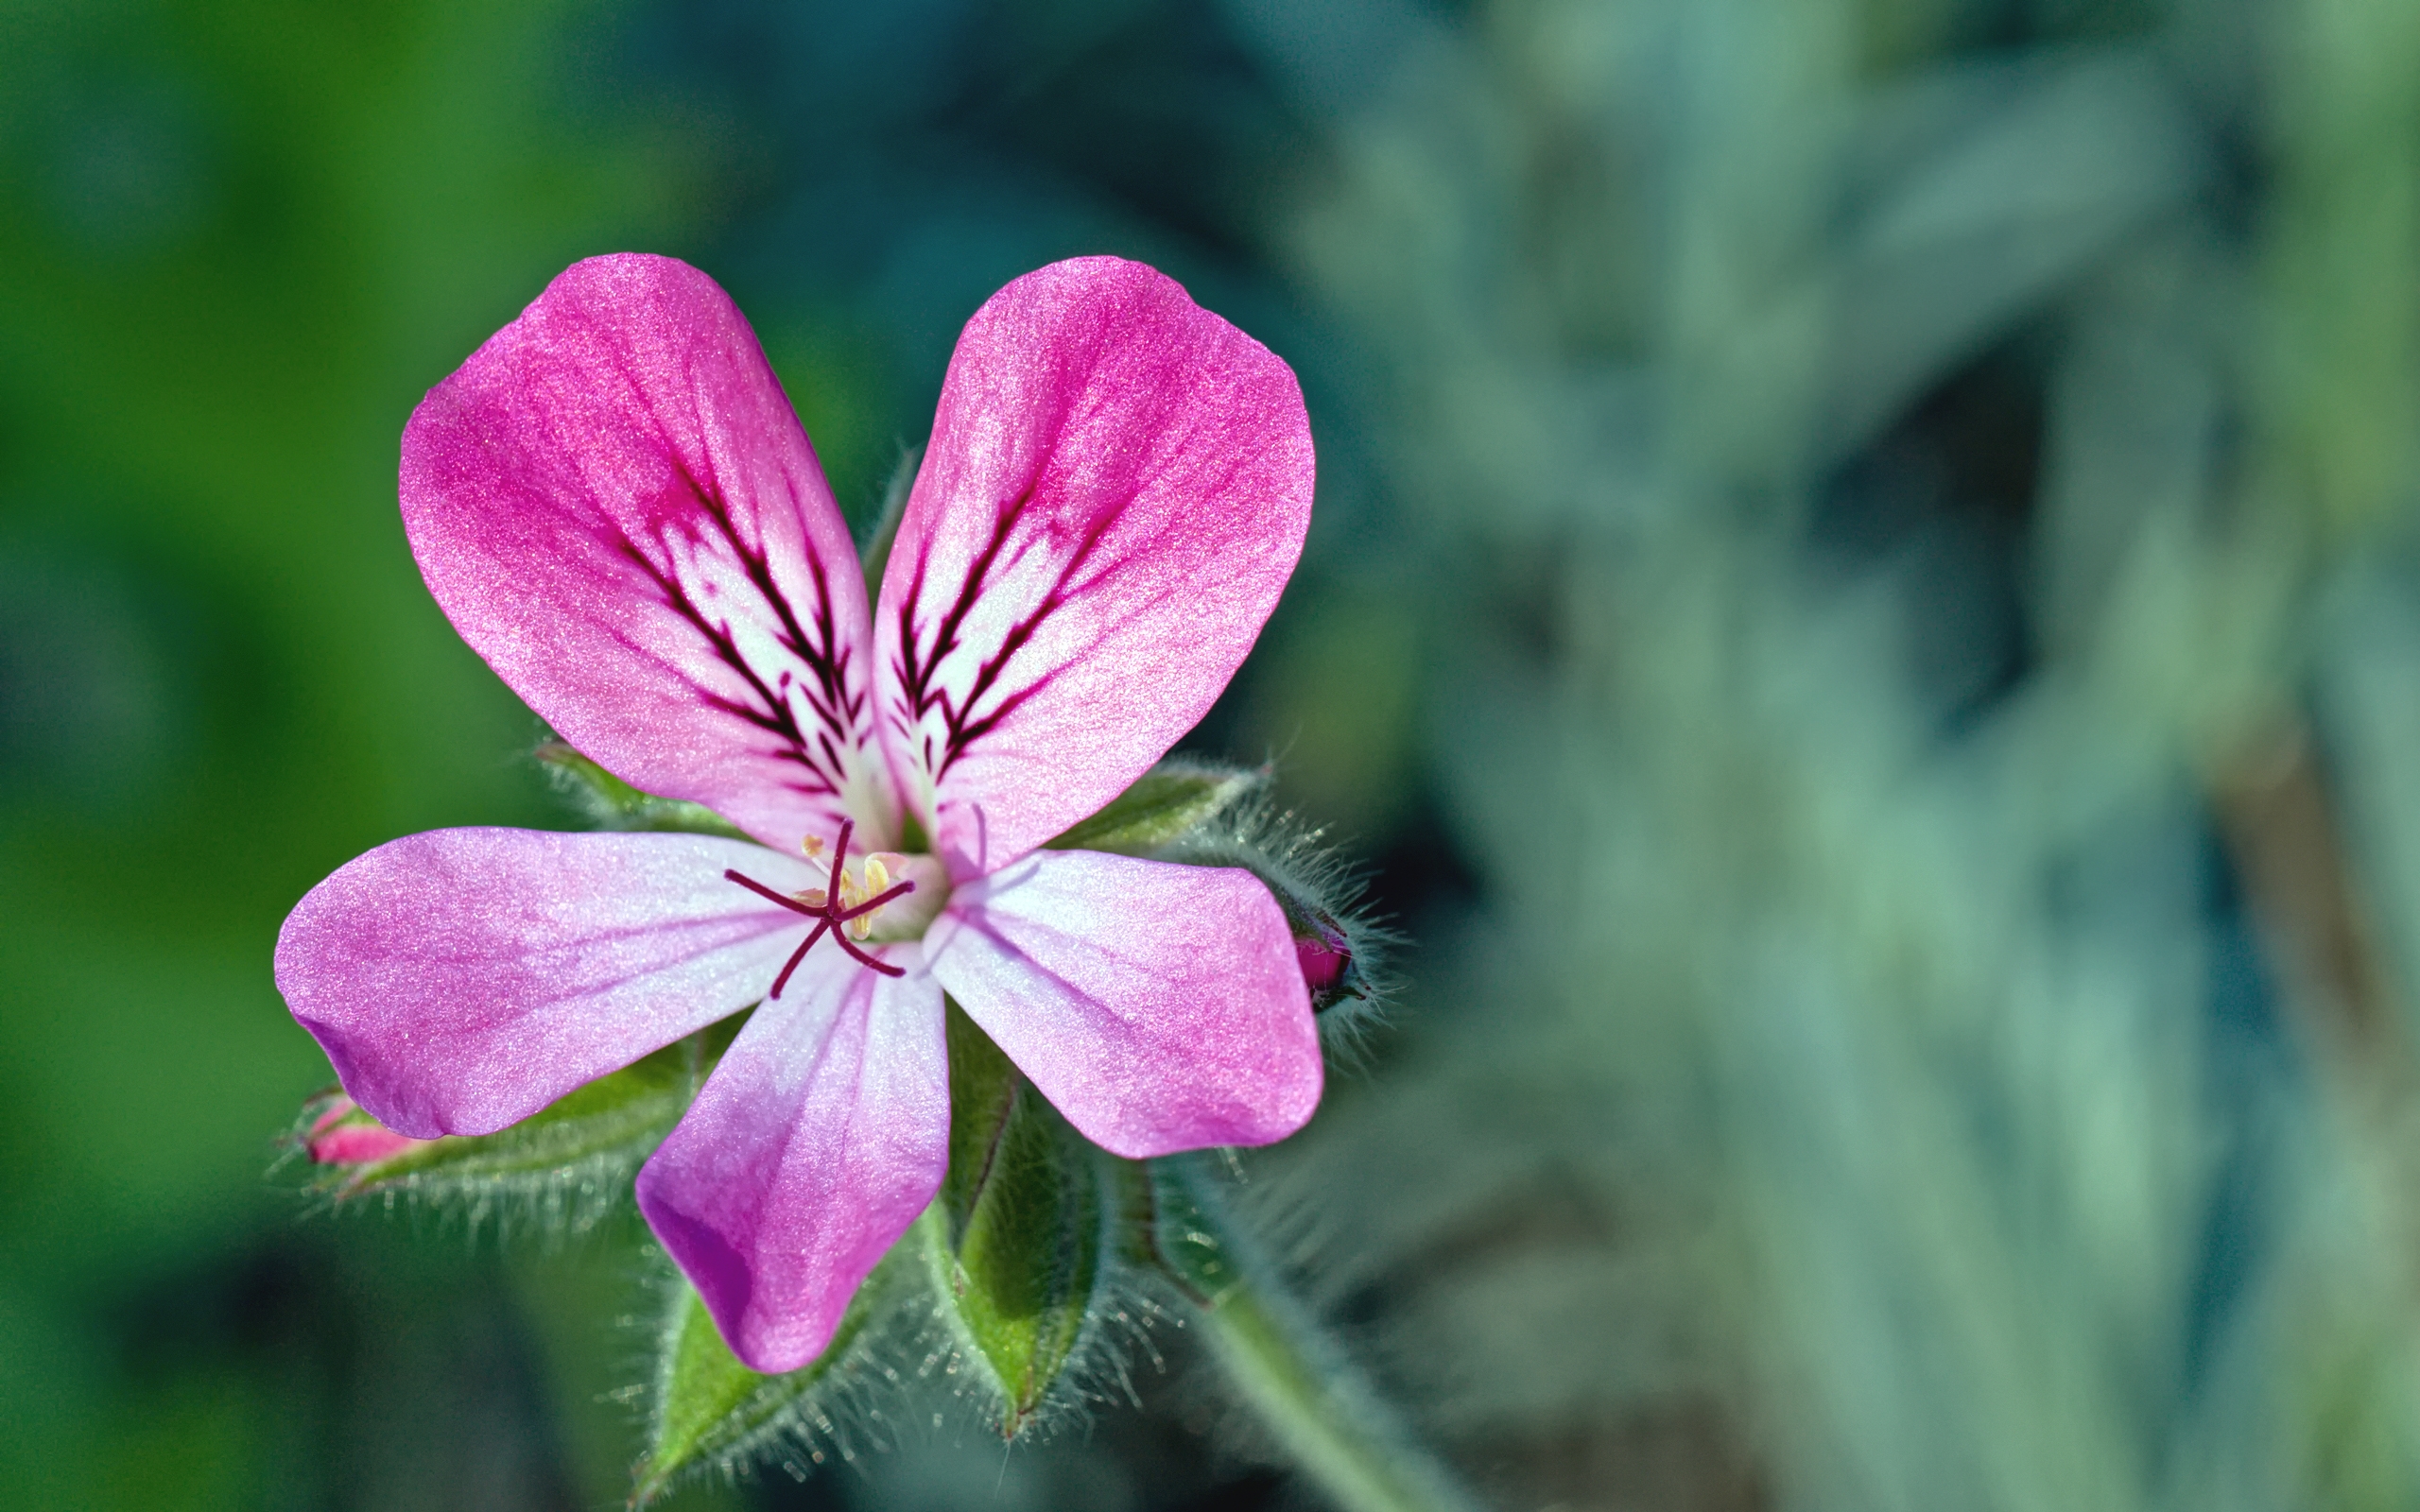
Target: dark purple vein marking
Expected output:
[836,709]
[961,725]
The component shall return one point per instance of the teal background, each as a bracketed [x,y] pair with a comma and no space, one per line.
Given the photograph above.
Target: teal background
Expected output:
[1861,610]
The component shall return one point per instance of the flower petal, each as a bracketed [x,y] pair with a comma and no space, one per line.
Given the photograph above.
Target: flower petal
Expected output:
[1158,1006]
[615,505]
[463,979]
[813,1146]
[1116,489]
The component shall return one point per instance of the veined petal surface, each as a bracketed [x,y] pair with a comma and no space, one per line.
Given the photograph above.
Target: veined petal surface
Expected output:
[1158,1006]
[815,1143]
[461,980]
[1116,489]
[615,505]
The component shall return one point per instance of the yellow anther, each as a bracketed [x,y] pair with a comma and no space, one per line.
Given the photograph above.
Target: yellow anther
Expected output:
[869,879]
[871,882]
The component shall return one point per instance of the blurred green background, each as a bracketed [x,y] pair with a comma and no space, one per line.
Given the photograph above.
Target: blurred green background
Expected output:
[1864,608]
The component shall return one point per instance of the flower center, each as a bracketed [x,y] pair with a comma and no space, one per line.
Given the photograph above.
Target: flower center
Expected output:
[846,905]
[871,885]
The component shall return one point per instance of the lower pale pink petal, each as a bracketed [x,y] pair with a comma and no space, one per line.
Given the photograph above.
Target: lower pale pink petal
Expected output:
[1158,1006]
[463,979]
[814,1145]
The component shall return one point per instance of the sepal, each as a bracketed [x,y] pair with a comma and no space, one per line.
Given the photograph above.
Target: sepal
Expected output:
[711,1412]
[1168,804]
[565,1166]
[1166,1226]
[1017,1245]
[609,804]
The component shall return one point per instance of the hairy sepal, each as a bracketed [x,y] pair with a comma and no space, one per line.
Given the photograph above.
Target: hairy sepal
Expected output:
[563,1168]
[711,1413]
[1017,1247]
[1167,805]
[609,804]
[1166,1227]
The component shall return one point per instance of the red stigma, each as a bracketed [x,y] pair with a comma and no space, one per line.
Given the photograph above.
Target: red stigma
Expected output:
[831,915]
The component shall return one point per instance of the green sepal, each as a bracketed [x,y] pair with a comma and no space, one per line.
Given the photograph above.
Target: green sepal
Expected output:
[1166,804]
[1016,1244]
[568,1164]
[613,804]
[711,1412]
[1171,1227]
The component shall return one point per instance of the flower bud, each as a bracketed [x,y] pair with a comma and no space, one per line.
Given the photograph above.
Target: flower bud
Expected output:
[340,1133]
[1326,958]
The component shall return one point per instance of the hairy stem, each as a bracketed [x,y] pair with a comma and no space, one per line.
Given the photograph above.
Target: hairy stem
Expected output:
[1322,1409]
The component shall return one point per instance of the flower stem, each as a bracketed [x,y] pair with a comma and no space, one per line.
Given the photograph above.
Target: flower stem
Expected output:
[1322,1411]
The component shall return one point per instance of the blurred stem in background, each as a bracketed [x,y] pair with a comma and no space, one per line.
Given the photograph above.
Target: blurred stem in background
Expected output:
[1309,1398]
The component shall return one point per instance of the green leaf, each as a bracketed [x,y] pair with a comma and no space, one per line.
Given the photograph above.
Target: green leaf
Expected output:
[1018,1242]
[613,804]
[568,1164]
[1165,805]
[713,1412]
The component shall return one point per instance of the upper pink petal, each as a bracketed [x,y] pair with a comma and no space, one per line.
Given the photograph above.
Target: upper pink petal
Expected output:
[614,503]
[1116,489]
[463,979]
[815,1143]
[1158,1006]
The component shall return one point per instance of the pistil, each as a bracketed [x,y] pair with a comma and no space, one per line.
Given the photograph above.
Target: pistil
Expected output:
[831,908]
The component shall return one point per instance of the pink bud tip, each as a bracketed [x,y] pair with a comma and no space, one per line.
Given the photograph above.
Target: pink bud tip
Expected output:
[1322,963]
[344,1135]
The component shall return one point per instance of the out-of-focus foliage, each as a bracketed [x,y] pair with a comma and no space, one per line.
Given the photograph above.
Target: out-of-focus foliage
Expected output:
[1936,1021]
[1863,599]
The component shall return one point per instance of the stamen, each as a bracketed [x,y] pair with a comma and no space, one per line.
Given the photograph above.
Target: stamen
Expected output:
[840,907]
[877,877]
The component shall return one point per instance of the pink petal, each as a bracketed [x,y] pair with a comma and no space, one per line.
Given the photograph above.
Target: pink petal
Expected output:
[615,505]
[463,979]
[1116,489]
[814,1145]
[1158,1006]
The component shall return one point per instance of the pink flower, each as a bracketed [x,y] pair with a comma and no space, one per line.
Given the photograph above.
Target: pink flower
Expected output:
[615,505]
